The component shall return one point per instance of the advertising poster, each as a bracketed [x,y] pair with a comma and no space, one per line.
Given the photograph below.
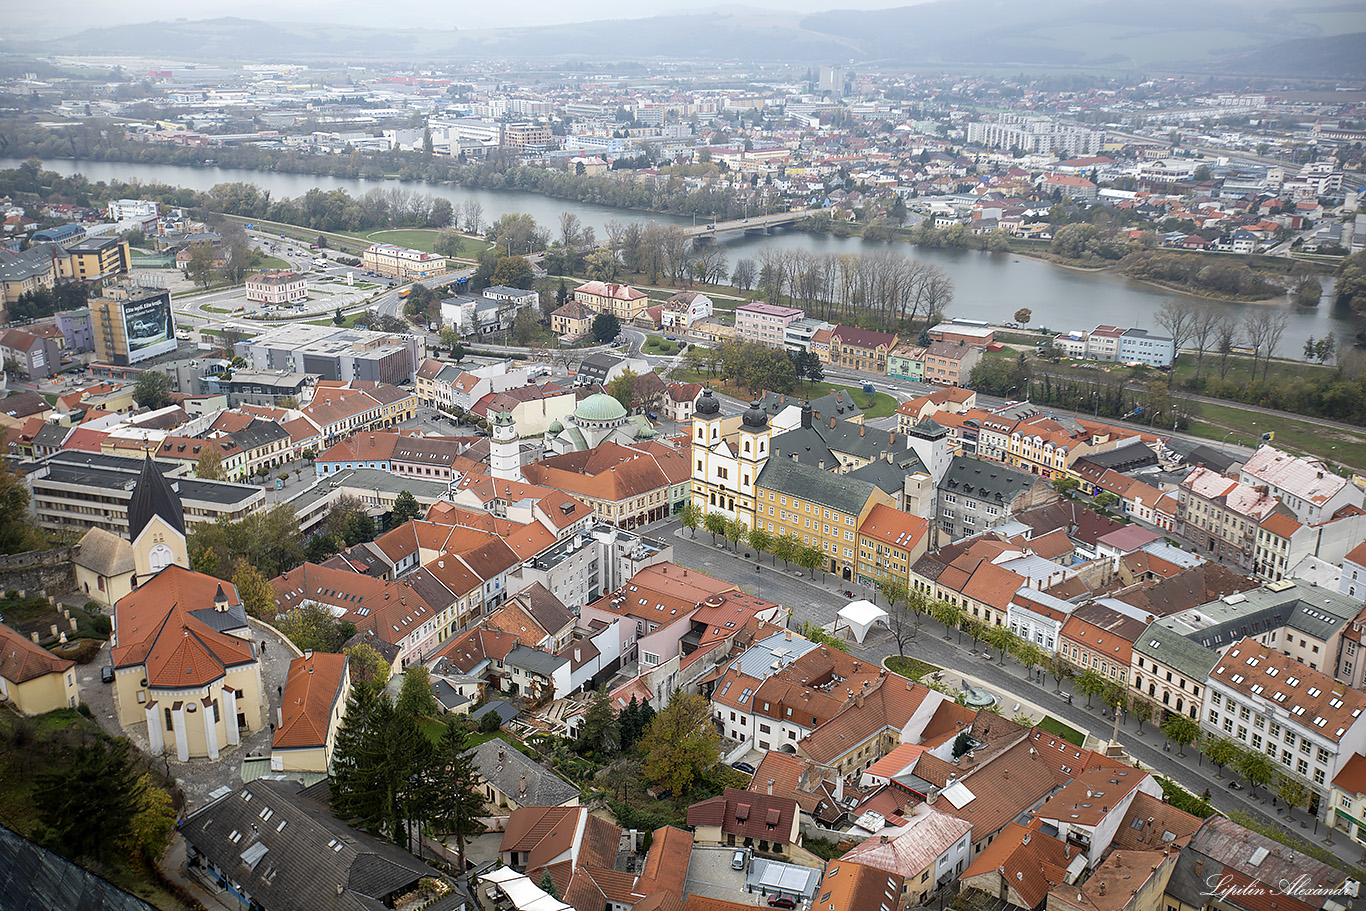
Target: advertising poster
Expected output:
[150,327]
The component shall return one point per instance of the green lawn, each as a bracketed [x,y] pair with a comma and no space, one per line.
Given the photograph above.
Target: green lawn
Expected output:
[425,239]
[349,320]
[883,404]
[912,668]
[1215,422]
[1059,729]
[271,262]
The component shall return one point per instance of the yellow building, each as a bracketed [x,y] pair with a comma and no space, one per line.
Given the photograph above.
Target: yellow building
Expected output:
[622,301]
[311,710]
[95,259]
[104,566]
[33,679]
[402,263]
[889,543]
[822,509]
[182,650]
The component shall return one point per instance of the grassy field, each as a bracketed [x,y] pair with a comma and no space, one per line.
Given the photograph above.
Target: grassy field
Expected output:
[1341,447]
[913,668]
[1059,729]
[349,320]
[1240,369]
[271,262]
[424,239]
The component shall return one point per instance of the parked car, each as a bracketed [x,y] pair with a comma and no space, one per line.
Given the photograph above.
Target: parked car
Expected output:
[782,900]
[107,674]
[743,767]
[737,861]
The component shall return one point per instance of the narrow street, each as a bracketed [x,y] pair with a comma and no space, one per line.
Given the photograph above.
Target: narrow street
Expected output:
[817,600]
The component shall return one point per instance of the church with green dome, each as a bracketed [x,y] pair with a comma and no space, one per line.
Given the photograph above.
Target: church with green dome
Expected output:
[597,419]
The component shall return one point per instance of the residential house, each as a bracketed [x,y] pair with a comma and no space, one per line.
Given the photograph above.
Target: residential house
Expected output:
[865,350]
[32,679]
[574,320]
[768,822]
[974,495]
[1307,487]
[312,708]
[950,363]
[511,780]
[1221,516]
[765,324]
[621,301]
[930,850]
[890,541]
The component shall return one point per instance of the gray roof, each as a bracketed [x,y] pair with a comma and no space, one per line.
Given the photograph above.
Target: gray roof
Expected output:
[985,480]
[1124,458]
[51,436]
[534,661]
[810,444]
[837,404]
[36,260]
[1168,645]
[34,877]
[504,767]
[505,710]
[153,496]
[807,482]
[1314,611]
[890,475]
[104,553]
[259,433]
[287,850]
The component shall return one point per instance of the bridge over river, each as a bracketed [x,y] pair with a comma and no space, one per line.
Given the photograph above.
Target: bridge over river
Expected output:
[756,224]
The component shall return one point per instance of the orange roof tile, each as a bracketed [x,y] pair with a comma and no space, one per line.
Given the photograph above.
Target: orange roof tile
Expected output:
[312,688]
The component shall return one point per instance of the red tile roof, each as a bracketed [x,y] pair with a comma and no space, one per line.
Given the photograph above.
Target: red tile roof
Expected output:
[22,659]
[312,688]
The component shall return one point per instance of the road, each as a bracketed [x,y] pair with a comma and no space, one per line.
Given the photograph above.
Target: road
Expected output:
[817,600]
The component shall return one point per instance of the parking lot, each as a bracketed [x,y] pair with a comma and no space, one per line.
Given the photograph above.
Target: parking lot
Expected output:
[710,874]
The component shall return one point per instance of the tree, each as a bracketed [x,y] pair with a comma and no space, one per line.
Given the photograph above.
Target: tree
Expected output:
[1181,730]
[255,590]
[622,388]
[1089,683]
[1293,791]
[269,540]
[513,272]
[1204,326]
[600,731]
[787,547]
[312,626]
[152,390]
[474,215]
[210,465]
[1023,316]
[679,744]
[367,665]
[1060,669]
[737,532]
[743,275]
[199,268]
[1178,317]
[1143,710]
[405,508]
[102,782]
[690,517]
[1309,293]
[715,524]
[154,820]
[811,557]
[547,884]
[760,540]
[442,213]
[606,327]
[1221,751]
[1255,767]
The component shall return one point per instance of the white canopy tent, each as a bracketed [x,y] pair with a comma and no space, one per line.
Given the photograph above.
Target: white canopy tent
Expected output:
[860,616]
[522,892]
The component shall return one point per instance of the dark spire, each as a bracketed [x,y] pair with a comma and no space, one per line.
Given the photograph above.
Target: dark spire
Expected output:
[153,496]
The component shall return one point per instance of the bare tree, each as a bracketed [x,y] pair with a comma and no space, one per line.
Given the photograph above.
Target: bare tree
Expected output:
[1204,323]
[1226,329]
[474,215]
[1275,328]
[570,229]
[1177,316]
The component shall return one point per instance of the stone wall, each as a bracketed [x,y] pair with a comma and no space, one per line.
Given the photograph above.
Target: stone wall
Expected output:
[49,571]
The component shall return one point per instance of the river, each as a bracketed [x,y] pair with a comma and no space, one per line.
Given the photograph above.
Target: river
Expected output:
[989,286]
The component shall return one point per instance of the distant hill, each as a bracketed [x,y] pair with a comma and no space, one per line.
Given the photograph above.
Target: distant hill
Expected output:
[1255,36]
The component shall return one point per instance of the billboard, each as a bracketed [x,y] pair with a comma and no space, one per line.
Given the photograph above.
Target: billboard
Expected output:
[149,327]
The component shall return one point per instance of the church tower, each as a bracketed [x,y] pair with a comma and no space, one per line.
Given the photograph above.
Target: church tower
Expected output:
[505,452]
[156,524]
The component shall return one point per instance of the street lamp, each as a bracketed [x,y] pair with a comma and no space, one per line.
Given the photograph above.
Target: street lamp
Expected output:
[1223,441]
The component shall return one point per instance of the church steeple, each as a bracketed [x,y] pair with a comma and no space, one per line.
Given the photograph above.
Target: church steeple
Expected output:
[153,496]
[156,524]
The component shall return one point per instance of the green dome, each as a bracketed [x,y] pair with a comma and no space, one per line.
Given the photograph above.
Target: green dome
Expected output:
[646,433]
[600,407]
[555,426]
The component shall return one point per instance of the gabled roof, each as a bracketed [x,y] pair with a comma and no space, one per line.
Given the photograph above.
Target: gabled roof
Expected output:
[854,886]
[312,688]
[771,817]
[34,877]
[22,659]
[104,553]
[512,773]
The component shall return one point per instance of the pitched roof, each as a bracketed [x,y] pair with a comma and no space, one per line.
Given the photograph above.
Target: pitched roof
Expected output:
[863,338]
[22,659]
[34,877]
[312,688]
[104,553]
[750,814]
[889,702]
[853,886]
[913,847]
[1313,699]
[807,482]
[529,783]
[153,496]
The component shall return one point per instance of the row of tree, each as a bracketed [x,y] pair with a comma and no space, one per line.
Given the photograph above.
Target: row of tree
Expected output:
[882,290]
[786,547]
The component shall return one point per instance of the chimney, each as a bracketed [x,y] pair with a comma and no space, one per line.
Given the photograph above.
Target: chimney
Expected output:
[862,430]
[1005,774]
[832,423]
[500,754]
[577,655]
[883,839]
[1102,887]
[788,635]
[858,700]
[523,783]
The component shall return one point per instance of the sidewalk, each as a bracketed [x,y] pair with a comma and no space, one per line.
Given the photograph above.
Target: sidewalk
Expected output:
[173,866]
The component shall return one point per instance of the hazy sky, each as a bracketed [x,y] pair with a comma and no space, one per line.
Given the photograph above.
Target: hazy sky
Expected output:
[57,17]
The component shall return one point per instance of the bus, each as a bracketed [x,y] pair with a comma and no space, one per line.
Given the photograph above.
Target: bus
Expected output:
[404,293]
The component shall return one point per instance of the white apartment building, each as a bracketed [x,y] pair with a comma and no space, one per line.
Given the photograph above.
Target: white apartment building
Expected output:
[1035,134]
[1307,722]
[1306,486]
[402,263]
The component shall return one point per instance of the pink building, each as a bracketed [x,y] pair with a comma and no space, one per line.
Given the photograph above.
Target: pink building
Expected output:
[765,323]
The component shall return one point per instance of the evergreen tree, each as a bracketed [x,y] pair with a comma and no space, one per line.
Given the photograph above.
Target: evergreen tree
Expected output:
[628,722]
[405,508]
[362,791]
[101,785]
[600,731]
[547,885]
[456,799]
